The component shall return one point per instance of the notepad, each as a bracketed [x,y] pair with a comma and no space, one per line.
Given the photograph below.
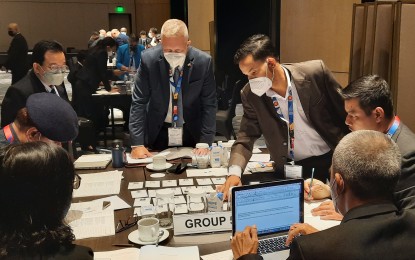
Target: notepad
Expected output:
[92,161]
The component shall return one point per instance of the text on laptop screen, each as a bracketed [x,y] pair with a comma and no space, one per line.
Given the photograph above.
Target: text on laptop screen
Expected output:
[272,209]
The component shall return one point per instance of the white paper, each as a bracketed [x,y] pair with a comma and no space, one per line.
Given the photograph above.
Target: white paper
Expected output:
[315,221]
[207,172]
[135,185]
[169,183]
[139,194]
[180,209]
[142,202]
[137,211]
[176,190]
[152,184]
[224,255]
[207,189]
[151,252]
[186,189]
[263,157]
[152,193]
[179,199]
[256,150]
[185,182]
[138,161]
[94,222]
[178,152]
[205,181]
[219,181]
[132,253]
[116,202]
[99,184]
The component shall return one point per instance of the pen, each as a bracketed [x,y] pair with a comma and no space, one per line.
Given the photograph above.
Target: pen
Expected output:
[126,245]
[311,182]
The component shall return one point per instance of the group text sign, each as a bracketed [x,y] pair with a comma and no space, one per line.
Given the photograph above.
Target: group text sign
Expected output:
[202,223]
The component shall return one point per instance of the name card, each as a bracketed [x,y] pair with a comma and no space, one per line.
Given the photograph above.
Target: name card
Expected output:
[202,223]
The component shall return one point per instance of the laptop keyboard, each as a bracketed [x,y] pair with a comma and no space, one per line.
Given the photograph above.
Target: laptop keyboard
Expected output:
[273,244]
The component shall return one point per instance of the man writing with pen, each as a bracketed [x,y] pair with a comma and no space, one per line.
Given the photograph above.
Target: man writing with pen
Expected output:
[366,166]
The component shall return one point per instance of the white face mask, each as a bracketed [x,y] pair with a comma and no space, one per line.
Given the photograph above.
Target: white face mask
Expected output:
[175,59]
[149,35]
[109,53]
[50,78]
[260,85]
[124,33]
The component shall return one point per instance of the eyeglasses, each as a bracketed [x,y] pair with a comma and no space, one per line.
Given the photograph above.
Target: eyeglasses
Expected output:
[76,181]
[126,224]
[58,69]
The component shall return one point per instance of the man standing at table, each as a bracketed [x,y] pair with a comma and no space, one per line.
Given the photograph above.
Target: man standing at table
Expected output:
[129,55]
[47,74]
[17,54]
[174,98]
[286,103]
[365,170]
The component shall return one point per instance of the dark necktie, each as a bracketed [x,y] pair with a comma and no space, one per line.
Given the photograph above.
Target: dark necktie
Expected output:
[53,91]
[176,75]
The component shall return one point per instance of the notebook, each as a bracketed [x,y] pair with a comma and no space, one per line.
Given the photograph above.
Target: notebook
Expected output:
[93,161]
[273,207]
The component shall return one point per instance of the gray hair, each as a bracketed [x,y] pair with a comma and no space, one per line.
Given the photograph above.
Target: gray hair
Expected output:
[369,162]
[174,28]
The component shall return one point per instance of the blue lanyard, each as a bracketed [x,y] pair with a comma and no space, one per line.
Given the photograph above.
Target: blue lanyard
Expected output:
[394,127]
[290,118]
[175,99]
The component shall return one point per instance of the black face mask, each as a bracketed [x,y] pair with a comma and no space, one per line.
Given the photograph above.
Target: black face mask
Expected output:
[133,48]
[11,33]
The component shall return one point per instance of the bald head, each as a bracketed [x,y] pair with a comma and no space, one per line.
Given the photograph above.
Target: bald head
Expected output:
[13,29]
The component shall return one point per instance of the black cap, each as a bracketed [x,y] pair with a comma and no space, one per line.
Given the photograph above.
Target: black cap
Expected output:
[53,116]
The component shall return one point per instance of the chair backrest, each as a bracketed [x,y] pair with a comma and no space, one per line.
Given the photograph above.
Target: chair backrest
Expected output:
[236,97]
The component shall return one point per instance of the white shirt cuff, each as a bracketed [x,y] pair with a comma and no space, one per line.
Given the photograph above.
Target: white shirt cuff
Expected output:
[235,170]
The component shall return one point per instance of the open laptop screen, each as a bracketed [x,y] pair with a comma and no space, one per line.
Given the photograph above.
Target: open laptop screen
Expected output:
[273,206]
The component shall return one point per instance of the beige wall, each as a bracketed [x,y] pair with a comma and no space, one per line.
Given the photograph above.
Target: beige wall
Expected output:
[69,22]
[200,12]
[151,13]
[318,29]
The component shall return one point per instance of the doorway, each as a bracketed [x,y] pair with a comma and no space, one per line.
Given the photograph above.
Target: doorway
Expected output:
[116,21]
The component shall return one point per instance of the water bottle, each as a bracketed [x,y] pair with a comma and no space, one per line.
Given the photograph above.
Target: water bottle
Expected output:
[215,156]
[118,154]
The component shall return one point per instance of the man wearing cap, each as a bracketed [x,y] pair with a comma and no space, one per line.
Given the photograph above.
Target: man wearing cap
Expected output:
[49,69]
[46,117]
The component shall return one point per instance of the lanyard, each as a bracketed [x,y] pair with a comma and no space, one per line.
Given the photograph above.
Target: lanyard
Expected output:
[394,127]
[290,118]
[8,134]
[175,96]
[132,61]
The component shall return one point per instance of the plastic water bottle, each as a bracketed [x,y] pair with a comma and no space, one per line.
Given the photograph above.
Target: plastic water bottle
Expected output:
[215,156]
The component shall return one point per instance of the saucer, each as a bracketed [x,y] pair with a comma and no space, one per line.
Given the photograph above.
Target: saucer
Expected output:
[151,167]
[133,237]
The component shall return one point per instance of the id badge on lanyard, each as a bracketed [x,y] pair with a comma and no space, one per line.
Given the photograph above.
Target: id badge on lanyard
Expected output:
[175,133]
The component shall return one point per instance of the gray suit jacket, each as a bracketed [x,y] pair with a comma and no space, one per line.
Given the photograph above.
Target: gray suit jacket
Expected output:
[322,104]
[151,96]
[405,189]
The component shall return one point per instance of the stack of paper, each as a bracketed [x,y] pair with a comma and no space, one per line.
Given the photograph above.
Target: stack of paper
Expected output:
[99,184]
[94,222]
[93,161]
[152,252]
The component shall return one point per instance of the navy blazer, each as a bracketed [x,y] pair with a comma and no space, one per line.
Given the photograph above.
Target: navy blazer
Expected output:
[18,93]
[151,96]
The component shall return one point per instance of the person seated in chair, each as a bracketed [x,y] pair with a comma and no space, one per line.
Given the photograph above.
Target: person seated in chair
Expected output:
[36,184]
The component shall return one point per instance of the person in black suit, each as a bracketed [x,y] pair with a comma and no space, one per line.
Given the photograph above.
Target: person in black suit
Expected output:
[143,39]
[365,169]
[174,90]
[48,71]
[36,185]
[87,81]
[17,54]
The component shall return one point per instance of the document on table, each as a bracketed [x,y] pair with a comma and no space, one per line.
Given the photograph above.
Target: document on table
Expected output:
[139,194]
[121,254]
[178,152]
[99,184]
[116,202]
[169,183]
[315,221]
[219,181]
[204,181]
[94,221]
[261,157]
[135,185]
[144,160]
[142,202]
[185,182]
[152,252]
[152,184]
[207,172]
[224,255]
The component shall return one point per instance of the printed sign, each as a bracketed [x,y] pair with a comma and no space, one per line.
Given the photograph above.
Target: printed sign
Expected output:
[202,223]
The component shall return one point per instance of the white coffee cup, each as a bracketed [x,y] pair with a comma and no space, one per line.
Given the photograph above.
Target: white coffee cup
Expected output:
[148,229]
[159,162]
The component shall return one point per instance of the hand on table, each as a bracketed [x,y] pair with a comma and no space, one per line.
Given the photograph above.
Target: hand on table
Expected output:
[140,152]
[326,211]
[200,151]
[245,242]
[114,89]
[118,72]
[299,229]
[319,190]
[231,181]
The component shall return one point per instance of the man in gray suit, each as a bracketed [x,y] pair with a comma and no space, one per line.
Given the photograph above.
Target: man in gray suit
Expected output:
[174,98]
[286,103]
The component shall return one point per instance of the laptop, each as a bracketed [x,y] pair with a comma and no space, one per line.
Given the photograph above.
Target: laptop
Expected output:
[273,207]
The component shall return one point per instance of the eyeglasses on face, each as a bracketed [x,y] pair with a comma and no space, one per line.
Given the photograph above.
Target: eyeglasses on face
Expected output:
[126,224]
[76,181]
[58,69]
